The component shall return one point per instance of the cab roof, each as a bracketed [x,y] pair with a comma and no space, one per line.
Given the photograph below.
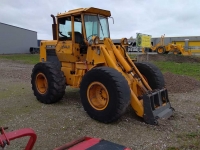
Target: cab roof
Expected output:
[86,10]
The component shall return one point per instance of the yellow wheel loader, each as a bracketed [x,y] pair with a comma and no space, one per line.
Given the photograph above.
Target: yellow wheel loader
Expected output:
[161,48]
[82,55]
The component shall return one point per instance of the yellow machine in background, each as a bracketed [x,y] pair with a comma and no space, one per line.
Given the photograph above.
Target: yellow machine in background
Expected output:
[82,55]
[175,48]
[159,47]
[193,46]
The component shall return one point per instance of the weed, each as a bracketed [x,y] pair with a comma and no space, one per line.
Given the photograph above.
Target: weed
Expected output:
[189,140]
[197,116]
[192,135]
[172,148]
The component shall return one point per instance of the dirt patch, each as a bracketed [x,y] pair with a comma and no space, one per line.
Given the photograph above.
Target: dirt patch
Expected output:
[169,57]
[66,120]
[13,70]
[180,83]
[175,83]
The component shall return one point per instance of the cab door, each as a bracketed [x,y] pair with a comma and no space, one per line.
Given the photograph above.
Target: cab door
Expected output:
[65,45]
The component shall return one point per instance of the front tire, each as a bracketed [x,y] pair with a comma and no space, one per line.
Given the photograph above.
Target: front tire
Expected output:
[48,82]
[161,50]
[105,94]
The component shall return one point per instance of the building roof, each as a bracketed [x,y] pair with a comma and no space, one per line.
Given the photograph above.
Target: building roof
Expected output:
[17,27]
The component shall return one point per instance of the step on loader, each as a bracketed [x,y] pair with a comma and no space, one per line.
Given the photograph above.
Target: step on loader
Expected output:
[82,55]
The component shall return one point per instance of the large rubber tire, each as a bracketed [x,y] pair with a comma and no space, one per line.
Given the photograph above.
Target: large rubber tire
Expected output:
[161,50]
[48,82]
[152,74]
[118,94]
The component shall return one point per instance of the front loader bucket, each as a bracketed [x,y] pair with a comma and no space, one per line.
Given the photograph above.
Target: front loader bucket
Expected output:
[156,105]
[186,53]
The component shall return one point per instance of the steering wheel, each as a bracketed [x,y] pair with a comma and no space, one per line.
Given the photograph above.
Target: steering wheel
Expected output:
[91,36]
[62,34]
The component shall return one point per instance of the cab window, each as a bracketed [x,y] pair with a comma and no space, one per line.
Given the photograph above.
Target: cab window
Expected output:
[64,28]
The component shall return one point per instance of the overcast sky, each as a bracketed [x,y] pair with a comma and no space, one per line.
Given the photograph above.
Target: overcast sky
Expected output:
[153,17]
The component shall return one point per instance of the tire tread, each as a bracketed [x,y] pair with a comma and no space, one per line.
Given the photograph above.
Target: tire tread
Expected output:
[56,83]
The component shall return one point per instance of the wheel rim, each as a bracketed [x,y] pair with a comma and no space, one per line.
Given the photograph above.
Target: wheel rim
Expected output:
[160,50]
[98,96]
[41,83]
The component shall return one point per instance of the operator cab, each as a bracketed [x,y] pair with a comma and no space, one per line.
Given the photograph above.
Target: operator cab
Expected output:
[79,26]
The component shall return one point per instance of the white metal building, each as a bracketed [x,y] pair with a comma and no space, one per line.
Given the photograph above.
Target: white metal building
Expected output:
[15,40]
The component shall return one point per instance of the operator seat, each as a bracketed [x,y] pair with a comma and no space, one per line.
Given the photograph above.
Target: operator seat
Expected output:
[80,40]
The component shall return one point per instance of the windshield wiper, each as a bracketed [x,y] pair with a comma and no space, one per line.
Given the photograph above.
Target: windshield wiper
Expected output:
[100,25]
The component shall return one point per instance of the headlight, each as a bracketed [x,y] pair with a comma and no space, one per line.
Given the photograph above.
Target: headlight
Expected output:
[124,41]
[96,40]
[90,42]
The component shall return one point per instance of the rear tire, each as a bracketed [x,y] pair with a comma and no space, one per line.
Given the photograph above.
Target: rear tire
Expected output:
[152,74]
[48,82]
[105,94]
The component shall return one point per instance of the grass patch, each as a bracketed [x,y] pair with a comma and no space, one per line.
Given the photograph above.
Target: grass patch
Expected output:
[25,58]
[189,140]
[132,56]
[188,69]
[172,148]
[197,116]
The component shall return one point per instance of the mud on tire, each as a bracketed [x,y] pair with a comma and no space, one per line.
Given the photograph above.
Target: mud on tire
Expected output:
[116,87]
[48,82]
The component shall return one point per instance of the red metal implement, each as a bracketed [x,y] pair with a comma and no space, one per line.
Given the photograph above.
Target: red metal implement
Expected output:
[5,138]
[88,143]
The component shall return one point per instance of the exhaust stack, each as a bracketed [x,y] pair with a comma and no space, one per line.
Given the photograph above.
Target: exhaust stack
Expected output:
[54,28]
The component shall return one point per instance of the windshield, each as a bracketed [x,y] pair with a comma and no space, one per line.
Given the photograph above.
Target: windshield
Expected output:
[96,26]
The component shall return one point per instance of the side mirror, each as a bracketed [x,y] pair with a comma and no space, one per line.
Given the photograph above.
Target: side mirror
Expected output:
[112,19]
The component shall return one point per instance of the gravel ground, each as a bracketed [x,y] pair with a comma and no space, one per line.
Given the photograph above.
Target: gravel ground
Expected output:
[66,120]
